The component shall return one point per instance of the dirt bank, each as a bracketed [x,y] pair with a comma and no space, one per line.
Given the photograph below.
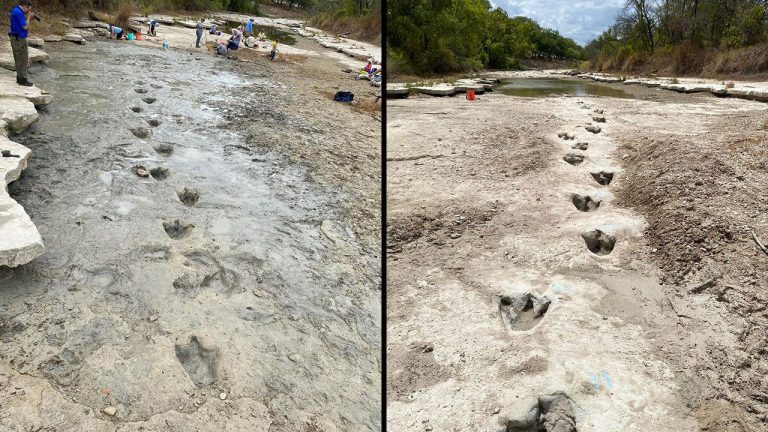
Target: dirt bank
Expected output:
[234,287]
[484,215]
[702,194]
[747,63]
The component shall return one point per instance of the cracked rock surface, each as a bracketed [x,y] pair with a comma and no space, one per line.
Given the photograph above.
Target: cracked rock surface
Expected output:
[20,242]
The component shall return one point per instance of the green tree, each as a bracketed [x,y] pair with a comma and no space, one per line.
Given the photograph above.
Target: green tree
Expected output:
[442,36]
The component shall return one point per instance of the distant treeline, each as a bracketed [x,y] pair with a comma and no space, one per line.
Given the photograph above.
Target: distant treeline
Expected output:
[686,32]
[341,7]
[444,36]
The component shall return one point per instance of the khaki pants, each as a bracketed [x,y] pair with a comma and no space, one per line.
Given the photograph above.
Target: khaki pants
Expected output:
[20,57]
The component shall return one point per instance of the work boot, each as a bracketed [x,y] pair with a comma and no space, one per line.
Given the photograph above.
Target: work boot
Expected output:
[24,82]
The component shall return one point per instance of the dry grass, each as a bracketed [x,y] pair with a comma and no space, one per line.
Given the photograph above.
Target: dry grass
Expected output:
[271,9]
[739,62]
[290,58]
[730,84]
[101,16]
[690,60]
[368,105]
[124,12]
[50,25]
[243,54]
[674,81]
[364,28]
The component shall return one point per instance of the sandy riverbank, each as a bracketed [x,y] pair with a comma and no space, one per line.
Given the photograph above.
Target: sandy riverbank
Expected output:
[482,213]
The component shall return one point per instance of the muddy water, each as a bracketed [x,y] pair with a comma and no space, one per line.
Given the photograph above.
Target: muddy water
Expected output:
[247,301]
[538,87]
[272,33]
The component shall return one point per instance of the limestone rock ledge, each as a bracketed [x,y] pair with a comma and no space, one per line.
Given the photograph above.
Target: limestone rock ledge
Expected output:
[20,242]
[17,113]
[17,103]
[6,55]
[9,89]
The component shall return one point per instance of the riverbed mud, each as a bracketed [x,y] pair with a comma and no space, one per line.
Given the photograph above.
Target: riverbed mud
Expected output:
[264,316]
[645,337]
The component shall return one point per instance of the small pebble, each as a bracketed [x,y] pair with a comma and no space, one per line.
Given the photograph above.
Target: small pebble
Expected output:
[110,411]
[223,396]
[296,358]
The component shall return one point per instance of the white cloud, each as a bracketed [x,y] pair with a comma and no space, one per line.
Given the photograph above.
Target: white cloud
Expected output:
[580,20]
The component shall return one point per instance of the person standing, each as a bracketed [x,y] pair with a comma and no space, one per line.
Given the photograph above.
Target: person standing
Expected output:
[199,32]
[273,53]
[152,27]
[19,32]
[249,28]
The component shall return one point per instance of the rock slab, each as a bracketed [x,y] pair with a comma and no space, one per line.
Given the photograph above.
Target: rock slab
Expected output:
[17,113]
[9,89]
[74,37]
[6,56]
[20,242]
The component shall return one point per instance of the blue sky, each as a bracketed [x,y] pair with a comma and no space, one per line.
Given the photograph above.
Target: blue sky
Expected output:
[580,20]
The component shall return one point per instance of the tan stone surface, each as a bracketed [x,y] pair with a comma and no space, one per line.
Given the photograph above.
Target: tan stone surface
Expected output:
[6,55]
[20,242]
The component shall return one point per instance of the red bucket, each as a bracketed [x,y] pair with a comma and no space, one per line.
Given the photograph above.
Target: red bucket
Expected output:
[470,95]
[138,35]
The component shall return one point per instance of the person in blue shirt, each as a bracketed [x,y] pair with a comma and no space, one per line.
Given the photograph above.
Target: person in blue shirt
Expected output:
[116,31]
[248,28]
[152,27]
[19,32]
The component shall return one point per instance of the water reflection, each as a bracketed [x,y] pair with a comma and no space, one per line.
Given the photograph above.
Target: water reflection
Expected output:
[542,87]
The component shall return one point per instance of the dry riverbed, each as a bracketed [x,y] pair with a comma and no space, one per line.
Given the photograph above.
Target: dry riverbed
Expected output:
[543,275]
[212,247]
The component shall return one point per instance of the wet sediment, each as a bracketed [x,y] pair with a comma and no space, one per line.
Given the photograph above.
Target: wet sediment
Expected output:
[245,296]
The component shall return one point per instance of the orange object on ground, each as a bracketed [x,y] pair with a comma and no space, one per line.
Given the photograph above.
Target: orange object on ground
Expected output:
[470,95]
[138,36]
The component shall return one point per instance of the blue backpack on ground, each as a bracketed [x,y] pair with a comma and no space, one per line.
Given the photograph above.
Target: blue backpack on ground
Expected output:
[343,96]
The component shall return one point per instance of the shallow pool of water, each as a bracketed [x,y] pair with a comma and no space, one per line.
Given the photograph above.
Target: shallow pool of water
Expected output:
[542,87]
[273,33]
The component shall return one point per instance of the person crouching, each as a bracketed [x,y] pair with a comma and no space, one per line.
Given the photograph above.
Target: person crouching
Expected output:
[234,41]
[116,32]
